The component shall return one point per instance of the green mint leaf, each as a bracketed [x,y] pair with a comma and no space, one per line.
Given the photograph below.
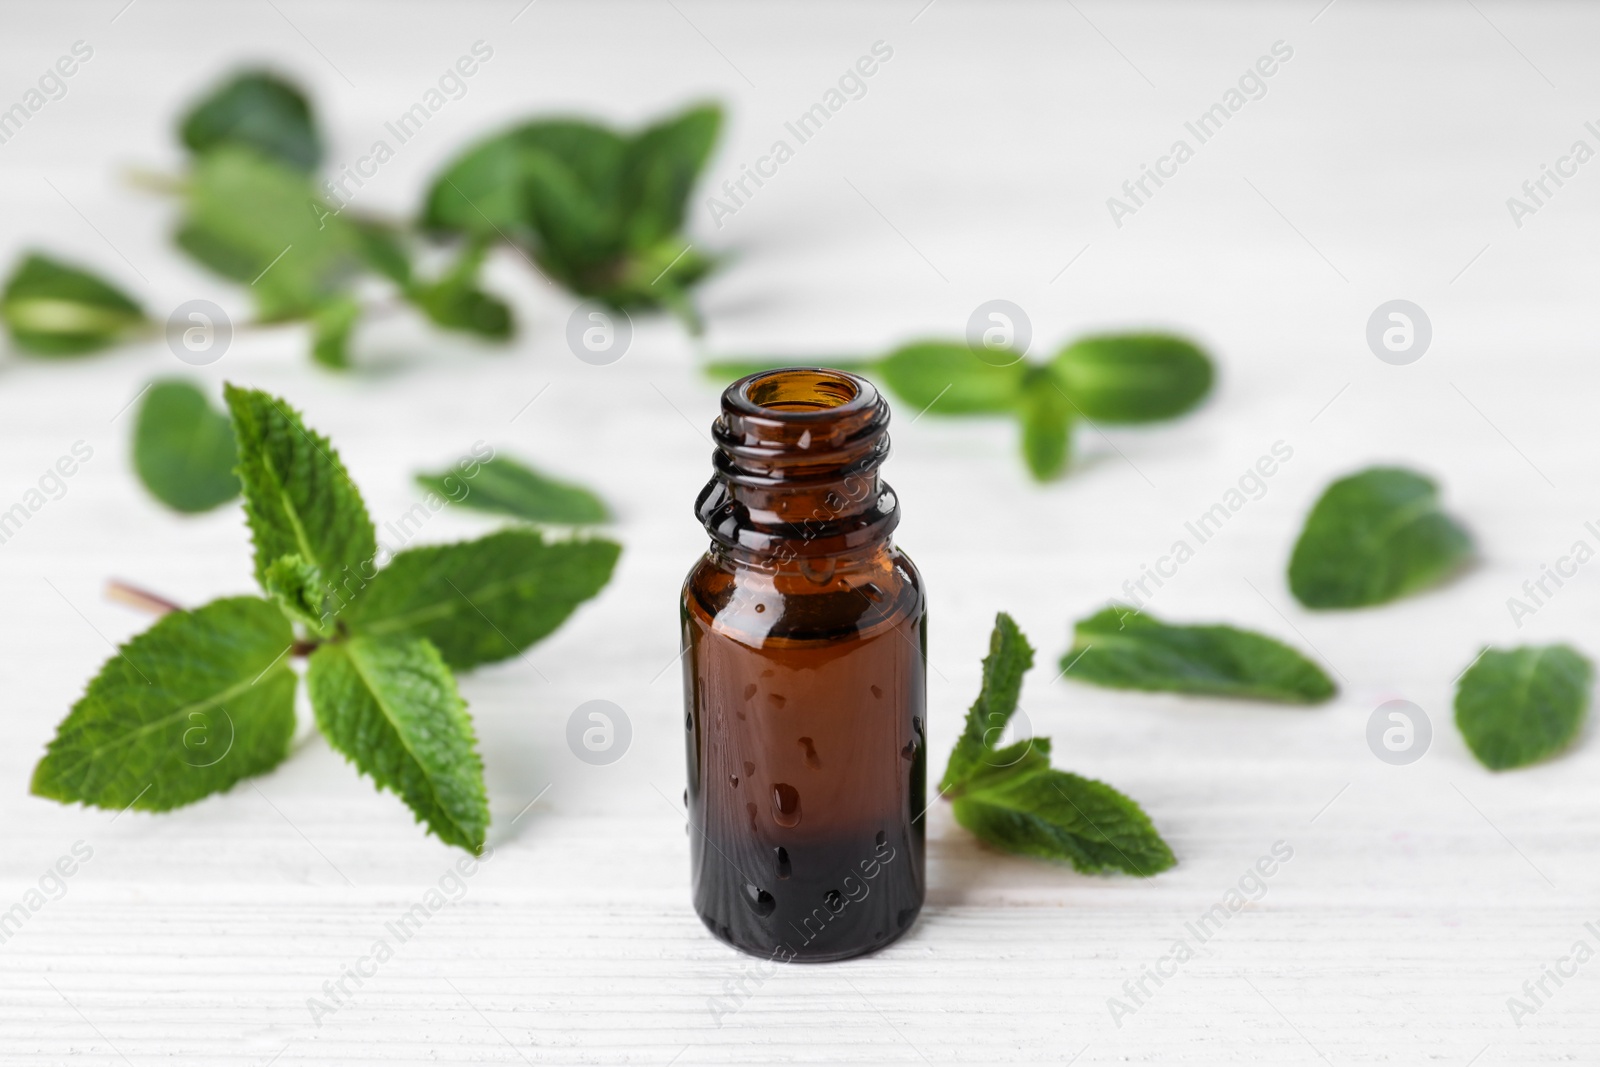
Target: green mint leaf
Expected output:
[183,448]
[659,168]
[189,707]
[486,600]
[950,379]
[1518,706]
[1010,656]
[260,223]
[331,327]
[383,249]
[1122,649]
[1133,377]
[257,110]
[52,308]
[391,706]
[300,590]
[1373,537]
[1055,815]
[297,496]
[456,303]
[484,191]
[1046,417]
[506,487]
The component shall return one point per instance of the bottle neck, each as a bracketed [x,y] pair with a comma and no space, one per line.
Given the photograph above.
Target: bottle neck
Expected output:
[796,470]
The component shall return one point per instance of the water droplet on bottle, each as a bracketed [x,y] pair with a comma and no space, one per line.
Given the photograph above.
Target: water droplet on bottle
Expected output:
[753,810]
[760,608]
[749,768]
[904,917]
[916,725]
[834,900]
[686,798]
[784,870]
[877,935]
[688,720]
[876,691]
[881,838]
[785,805]
[776,700]
[761,902]
[811,754]
[749,691]
[818,571]
[910,751]
[734,778]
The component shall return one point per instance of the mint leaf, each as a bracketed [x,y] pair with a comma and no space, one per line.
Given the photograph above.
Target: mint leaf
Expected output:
[257,110]
[949,379]
[297,497]
[1055,815]
[486,600]
[455,302]
[391,706]
[183,448]
[299,589]
[331,327]
[506,487]
[658,170]
[259,222]
[1133,377]
[1518,706]
[1046,416]
[1010,656]
[189,707]
[1373,537]
[1122,649]
[52,308]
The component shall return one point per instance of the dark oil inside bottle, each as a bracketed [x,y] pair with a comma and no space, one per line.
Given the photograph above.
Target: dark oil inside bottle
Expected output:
[805,685]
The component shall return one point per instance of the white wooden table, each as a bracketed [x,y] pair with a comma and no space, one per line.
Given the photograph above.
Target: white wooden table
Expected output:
[976,165]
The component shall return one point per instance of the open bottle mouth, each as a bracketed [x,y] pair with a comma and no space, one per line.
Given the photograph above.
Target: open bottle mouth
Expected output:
[800,392]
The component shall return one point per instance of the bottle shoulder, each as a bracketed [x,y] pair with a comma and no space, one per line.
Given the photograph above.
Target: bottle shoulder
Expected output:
[813,600]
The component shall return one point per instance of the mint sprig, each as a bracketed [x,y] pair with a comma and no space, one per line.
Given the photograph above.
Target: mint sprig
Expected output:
[1112,379]
[601,213]
[205,698]
[1012,798]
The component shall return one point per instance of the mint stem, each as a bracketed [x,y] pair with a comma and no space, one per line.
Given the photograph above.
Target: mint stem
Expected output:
[156,604]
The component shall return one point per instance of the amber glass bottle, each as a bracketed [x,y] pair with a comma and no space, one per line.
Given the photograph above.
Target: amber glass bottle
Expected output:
[804,677]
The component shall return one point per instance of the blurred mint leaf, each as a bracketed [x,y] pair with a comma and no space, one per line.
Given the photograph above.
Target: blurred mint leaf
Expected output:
[189,707]
[297,496]
[1059,816]
[52,308]
[383,249]
[949,379]
[390,705]
[1010,657]
[599,211]
[506,487]
[331,327]
[455,302]
[1133,377]
[1519,706]
[259,110]
[1375,536]
[486,600]
[1123,649]
[1046,416]
[258,222]
[183,448]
